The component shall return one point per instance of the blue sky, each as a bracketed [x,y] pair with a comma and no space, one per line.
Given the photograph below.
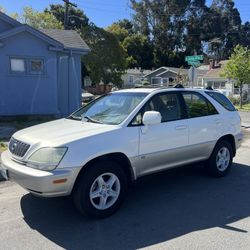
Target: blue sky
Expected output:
[103,12]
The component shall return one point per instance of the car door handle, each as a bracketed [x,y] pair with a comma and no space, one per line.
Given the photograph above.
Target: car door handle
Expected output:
[181,127]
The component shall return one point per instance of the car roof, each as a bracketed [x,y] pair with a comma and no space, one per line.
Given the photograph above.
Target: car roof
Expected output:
[161,89]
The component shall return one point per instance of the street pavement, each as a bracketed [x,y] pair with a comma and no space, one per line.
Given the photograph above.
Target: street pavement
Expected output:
[245,119]
[179,209]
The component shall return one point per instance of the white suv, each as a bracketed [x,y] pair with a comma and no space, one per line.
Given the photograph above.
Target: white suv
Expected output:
[95,153]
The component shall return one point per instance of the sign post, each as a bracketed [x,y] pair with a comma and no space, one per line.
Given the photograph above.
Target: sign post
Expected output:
[193,61]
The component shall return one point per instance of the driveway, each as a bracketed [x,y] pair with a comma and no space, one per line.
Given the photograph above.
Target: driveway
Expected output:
[178,209]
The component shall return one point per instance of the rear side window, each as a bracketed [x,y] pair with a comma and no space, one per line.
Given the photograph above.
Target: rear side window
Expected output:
[222,100]
[197,105]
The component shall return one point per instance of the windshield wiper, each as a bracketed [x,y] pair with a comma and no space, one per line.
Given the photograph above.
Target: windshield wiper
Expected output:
[77,118]
[89,119]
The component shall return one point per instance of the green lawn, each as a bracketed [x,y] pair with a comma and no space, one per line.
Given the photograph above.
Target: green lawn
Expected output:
[3,147]
[245,107]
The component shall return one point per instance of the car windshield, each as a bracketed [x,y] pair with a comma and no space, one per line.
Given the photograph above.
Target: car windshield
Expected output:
[113,108]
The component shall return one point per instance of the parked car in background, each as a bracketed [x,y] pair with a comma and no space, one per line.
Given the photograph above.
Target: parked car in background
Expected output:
[96,152]
[87,97]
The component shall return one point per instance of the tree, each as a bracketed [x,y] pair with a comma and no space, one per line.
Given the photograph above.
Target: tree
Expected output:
[223,25]
[139,50]
[245,34]
[120,32]
[38,20]
[106,62]
[238,67]
[137,46]
[77,18]
[163,22]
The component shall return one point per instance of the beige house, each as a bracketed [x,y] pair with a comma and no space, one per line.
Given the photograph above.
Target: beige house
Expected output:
[133,77]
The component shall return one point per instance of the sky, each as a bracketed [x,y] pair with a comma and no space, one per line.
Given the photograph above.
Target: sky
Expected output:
[103,12]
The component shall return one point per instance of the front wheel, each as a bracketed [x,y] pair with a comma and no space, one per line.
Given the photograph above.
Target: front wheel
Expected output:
[220,161]
[101,190]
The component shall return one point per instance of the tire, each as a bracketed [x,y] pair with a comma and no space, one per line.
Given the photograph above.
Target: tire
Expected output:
[220,161]
[100,191]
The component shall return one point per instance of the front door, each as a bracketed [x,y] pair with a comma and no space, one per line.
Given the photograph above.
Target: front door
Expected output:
[163,145]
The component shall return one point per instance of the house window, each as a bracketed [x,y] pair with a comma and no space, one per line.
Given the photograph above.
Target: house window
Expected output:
[156,80]
[130,79]
[165,81]
[26,66]
[17,65]
[36,66]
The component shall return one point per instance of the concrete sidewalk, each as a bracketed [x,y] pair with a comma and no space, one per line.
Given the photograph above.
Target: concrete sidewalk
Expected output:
[245,119]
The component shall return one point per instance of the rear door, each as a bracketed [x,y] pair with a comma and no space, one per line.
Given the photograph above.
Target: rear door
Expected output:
[162,145]
[204,124]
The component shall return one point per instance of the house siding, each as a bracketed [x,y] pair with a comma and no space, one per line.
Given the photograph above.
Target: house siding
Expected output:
[25,94]
[5,26]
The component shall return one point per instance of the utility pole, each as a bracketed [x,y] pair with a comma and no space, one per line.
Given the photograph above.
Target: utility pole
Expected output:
[67,3]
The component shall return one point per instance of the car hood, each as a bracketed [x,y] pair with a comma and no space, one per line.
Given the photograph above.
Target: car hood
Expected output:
[61,132]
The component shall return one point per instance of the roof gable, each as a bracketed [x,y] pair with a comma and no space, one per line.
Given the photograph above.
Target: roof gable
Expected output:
[60,39]
[9,20]
[31,30]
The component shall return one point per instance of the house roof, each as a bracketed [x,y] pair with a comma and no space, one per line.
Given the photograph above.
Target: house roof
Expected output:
[9,20]
[69,38]
[217,71]
[163,70]
[31,30]
[60,39]
[138,71]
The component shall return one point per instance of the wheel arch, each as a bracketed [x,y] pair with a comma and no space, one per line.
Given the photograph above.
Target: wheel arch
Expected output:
[230,139]
[118,157]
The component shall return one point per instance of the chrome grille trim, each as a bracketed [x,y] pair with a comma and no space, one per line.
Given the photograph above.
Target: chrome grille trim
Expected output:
[18,148]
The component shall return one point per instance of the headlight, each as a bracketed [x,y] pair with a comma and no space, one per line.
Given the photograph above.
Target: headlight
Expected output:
[46,158]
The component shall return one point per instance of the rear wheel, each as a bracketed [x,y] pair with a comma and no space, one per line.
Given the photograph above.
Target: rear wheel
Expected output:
[220,162]
[101,189]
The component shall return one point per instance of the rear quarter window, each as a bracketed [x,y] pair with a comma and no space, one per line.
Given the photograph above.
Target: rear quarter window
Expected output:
[222,100]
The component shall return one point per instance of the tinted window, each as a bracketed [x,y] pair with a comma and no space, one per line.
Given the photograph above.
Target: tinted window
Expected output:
[167,104]
[197,105]
[222,100]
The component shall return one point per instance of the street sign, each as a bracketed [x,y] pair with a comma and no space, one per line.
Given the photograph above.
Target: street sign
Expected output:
[194,58]
[194,63]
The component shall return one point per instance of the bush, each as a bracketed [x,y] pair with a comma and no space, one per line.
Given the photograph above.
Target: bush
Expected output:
[235,99]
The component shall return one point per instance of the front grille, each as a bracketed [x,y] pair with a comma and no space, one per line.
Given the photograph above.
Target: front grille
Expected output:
[18,148]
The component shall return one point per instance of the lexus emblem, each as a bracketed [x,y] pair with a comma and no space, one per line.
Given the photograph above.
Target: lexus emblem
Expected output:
[13,147]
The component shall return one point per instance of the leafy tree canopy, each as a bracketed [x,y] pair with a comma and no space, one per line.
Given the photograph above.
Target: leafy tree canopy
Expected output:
[38,20]
[106,61]
[77,18]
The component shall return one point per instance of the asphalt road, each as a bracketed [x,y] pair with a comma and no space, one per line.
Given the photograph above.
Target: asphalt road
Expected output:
[178,209]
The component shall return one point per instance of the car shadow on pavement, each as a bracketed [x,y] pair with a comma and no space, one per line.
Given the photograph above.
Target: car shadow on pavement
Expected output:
[159,208]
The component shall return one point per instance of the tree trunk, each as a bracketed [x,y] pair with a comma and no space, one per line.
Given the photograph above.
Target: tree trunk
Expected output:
[241,85]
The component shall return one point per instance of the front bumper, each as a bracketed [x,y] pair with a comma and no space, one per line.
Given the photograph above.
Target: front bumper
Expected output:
[39,182]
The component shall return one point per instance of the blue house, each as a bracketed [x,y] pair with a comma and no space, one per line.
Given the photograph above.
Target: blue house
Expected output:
[40,70]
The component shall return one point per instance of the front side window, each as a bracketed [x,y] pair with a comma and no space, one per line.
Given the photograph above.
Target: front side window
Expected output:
[111,109]
[167,104]
[197,105]
[17,65]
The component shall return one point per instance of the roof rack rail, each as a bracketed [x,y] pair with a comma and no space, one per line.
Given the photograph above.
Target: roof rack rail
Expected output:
[179,86]
[209,88]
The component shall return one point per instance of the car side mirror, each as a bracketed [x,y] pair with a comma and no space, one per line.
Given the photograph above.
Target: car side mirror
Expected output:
[151,118]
